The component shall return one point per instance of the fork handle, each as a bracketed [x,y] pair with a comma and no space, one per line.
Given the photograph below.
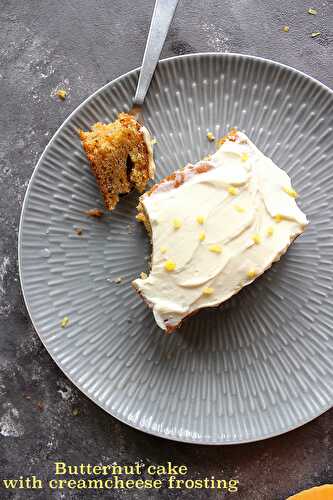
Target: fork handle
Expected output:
[162,16]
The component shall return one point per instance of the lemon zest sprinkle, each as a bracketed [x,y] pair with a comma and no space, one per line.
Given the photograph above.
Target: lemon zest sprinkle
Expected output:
[232,190]
[64,322]
[169,265]
[256,238]
[215,248]
[290,191]
[177,223]
[252,273]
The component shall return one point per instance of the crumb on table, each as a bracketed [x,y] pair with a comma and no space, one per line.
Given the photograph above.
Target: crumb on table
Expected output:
[62,94]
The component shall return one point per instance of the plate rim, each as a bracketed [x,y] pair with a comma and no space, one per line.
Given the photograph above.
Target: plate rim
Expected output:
[101,405]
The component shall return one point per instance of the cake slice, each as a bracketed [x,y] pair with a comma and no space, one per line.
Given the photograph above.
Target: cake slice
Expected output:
[215,227]
[120,155]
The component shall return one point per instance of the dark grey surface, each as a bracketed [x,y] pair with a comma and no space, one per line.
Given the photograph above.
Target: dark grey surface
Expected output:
[81,45]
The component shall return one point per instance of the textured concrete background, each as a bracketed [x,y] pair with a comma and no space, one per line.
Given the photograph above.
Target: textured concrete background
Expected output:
[81,45]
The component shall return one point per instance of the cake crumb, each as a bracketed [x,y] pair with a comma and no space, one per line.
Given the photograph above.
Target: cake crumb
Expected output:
[285,29]
[94,212]
[314,34]
[312,11]
[62,94]
[153,141]
[40,406]
[78,231]
[140,217]
[143,276]
[118,280]
[210,136]
[64,322]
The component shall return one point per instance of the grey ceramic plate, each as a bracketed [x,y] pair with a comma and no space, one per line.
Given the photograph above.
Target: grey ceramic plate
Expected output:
[261,366]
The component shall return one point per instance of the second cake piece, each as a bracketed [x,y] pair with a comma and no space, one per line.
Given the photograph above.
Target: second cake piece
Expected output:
[121,157]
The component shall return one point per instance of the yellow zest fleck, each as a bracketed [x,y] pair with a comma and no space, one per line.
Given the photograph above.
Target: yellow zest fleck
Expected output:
[169,265]
[232,190]
[163,249]
[285,29]
[312,11]
[210,136]
[153,141]
[177,223]
[140,217]
[270,231]
[200,219]
[239,209]
[252,273]
[315,33]
[208,290]
[215,248]
[256,238]
[244,156]
[202,236]
[290,191]
[64,322]
[61,93]
[278,218]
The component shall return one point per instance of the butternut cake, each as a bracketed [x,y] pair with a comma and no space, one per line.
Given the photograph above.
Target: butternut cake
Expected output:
[120,155]
[215,227]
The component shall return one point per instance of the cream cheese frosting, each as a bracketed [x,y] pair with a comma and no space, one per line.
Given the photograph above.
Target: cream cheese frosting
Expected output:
[215,227]
[149,144]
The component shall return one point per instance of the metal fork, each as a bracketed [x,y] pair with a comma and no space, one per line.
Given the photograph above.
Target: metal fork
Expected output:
[162,17]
